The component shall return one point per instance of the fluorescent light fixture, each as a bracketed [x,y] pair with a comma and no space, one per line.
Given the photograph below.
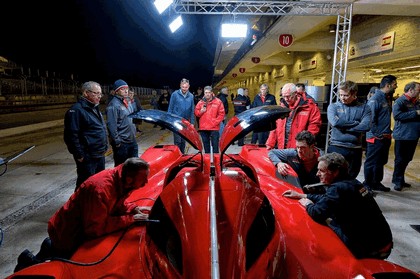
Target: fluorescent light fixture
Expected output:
[176,24]
[410,67]
[162,5]
[234,30]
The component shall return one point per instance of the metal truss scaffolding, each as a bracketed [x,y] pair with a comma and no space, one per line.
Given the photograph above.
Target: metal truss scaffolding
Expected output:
[343,11]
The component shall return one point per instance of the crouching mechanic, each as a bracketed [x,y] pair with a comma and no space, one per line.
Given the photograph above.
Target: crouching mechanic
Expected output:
[98,207]
[303,159]
[348,209]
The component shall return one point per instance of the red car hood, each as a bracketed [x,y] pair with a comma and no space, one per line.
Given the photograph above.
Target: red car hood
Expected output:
[258,119]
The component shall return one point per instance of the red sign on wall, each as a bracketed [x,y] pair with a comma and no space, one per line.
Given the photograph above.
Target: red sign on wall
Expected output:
[286,40]
[242,70]
[256,60]
[234,75]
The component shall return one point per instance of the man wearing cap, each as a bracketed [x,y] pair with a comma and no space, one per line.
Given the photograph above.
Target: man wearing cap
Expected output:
[240,104]
[85,132]
[121,129]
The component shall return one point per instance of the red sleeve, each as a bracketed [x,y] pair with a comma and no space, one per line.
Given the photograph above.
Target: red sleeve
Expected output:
[98,218]
[198,107]
[272,139]
[315,120]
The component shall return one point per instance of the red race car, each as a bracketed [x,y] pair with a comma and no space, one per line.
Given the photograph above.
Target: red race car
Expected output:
[217,216]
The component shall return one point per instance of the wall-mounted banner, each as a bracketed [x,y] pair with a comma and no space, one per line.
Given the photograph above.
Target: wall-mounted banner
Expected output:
[285,40]
[234,75]
[242,70]
[256,60]
[381,43]
[307,65]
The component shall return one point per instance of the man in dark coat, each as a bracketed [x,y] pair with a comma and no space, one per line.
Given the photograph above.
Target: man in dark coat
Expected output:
[85,132]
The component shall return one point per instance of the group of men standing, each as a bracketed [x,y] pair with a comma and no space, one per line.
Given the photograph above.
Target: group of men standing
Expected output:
[291,146]
[345,199]
[86,133]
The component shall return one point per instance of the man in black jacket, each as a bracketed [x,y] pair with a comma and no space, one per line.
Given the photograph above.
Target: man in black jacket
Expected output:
[223,97]
[348,208]
[240,104]
[85,132]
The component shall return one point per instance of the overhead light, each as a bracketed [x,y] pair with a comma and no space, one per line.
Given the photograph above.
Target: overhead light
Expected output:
[176,24]
[234,30]
[410,67]
[288,52]
[254,39]
[162,5]
[332,28]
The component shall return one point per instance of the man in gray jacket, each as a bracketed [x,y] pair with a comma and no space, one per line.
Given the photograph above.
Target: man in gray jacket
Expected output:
[121,129]
[182,104]
[406,111]
[349,120]
[379,136]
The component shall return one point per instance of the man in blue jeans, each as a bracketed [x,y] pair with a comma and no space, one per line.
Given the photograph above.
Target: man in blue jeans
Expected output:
[378,138]
[182,104]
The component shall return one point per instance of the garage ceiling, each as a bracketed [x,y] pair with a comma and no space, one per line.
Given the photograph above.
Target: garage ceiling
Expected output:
[311,35]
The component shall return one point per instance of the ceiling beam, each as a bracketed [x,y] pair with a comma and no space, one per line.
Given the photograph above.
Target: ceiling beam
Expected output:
[270,8]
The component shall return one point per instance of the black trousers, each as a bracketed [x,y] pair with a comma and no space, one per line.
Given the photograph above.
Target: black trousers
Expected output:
[376,158]
[404,152]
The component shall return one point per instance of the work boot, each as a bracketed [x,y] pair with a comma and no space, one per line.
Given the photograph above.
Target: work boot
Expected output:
[25,259]
[45,251]
[406,185]
[397,187]
[381,187]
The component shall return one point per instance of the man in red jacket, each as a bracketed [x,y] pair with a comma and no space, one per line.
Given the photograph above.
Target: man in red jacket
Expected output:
[96,208]
[305,115]
[211,112]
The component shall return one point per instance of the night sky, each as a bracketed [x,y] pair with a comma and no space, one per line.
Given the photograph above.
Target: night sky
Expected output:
[107,40]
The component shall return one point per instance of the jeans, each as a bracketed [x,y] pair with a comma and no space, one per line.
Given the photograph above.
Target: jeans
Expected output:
[124,151]
[404,152]
[376,158]
[260,137]
[222,127]
[210,136]
[180,142]
[352,155]
[88,167]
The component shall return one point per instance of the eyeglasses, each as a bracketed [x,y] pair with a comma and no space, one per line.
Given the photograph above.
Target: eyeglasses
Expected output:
[95,93]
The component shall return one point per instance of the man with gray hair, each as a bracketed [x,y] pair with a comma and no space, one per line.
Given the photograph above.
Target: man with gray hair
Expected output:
[211,112]
[304,115]
[85,132]
[348,208]
[406,111]
[263,98]
[181,103]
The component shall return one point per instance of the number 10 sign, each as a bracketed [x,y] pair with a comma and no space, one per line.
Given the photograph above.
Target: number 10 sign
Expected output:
[285,40]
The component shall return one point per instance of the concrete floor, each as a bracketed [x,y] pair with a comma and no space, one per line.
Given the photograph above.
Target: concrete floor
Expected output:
[39,182]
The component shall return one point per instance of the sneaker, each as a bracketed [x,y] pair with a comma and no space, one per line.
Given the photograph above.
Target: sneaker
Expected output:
[397,187]
[25,259]
[381,187]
